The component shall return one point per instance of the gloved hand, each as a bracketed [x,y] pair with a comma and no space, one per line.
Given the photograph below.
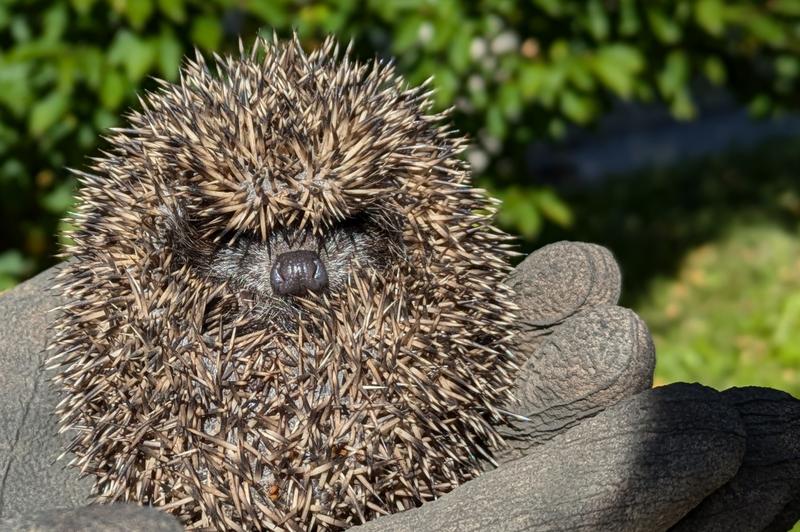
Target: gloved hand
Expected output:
[592,447]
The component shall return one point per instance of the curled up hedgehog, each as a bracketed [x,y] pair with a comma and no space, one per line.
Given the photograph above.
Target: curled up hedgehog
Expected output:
[283,305]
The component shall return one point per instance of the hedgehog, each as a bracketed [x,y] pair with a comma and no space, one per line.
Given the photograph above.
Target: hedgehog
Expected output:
[284,305]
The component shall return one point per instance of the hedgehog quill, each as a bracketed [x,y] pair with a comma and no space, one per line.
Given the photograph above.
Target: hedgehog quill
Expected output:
[284,306]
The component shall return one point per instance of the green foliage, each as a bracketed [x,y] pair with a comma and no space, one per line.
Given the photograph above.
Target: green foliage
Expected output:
[514,71]
[652,218]
[68,70]
[731,316]
[710,253]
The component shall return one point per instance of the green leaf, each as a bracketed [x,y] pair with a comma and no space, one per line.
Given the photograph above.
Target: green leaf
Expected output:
[597,20]
[406,34]
[510,100]
[785,7]
[446,87]
[629,23]
[15,91]
[272,13]
[579,73]
[112,89]
[86,137]
[559,50]
[47,112]
[60,199]
[207,32]
[83,6]
[710,16]
[665,28]
[103,120]
[13,263]
[577,107]
[556,128]
[175,9]
[458,52]
[787,66]
[682,106]
[20,29]
[90,62]
[617,66]
[531,76]
[170,54]
[495,122]
[553,208]
[767,29]
[337,20]
[553,8]
[5,17]
[519,212]
[760,105]
[138,12]
[449,24]
[13,171]
[135,54]
[67,72]
[528,221]
[675,74]
[8,137]
[7,282]
[715,71]
[553,80]
[54,22]
[478,95]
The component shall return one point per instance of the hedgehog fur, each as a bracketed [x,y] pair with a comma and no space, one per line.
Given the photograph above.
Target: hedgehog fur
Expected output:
[189,384]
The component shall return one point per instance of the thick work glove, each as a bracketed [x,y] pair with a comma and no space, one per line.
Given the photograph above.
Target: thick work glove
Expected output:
[592,447]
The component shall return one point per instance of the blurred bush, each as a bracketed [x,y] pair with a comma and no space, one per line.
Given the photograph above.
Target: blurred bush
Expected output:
[651,219]
[710,251]
[515,72]
[732,314]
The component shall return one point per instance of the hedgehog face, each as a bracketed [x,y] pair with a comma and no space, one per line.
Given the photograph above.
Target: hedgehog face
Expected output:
[285,305]
[290,264]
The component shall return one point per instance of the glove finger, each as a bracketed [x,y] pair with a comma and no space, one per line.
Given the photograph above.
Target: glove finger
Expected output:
[591,361]
[558,281]
[608,278]
[640,465]
[29,444]
[95,518]
[769,478]
[788,517]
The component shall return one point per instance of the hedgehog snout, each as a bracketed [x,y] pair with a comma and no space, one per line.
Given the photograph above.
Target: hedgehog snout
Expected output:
[295,272]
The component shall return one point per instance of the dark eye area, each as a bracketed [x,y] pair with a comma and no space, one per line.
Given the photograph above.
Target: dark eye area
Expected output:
[295,238]
[294,261]
[357,219]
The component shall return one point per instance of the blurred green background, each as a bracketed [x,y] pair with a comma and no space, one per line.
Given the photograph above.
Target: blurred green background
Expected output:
[709,244]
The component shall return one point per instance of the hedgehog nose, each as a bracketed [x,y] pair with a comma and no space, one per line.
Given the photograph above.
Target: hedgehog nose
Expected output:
[295,272]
